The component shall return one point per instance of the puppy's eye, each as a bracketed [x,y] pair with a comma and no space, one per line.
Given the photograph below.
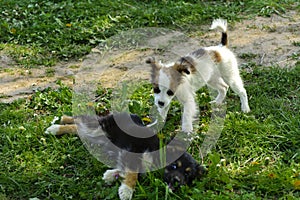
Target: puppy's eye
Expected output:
[170,93]
[174,166]
[156,90]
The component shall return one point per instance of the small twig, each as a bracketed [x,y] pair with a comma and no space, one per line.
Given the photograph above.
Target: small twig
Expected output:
[262,59]
[99,97]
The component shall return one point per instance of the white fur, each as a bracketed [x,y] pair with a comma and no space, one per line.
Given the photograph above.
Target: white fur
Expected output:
[164,83]
[218,75]
[147,160]
[185,94]
[219,23]
[110,176]
[55,120]
[125,192]
[53,129]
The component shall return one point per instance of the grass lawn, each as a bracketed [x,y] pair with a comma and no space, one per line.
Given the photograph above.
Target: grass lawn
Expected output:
[256,157]
[38,33]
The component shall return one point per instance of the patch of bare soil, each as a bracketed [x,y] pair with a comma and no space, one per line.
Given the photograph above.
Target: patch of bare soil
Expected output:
[261,41]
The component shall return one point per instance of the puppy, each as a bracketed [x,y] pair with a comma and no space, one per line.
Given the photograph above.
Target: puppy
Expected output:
[215,66]
[119,136]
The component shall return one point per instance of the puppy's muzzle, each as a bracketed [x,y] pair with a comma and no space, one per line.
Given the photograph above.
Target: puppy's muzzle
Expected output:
[176,180]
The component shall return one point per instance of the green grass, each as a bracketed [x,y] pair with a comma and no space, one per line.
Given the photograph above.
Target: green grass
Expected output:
[36,33]
[256,157]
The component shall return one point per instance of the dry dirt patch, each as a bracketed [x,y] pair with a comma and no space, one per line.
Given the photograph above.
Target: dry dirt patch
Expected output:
[261,41]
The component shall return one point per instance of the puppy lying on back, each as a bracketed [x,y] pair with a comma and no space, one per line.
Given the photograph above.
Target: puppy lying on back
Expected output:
[129,145]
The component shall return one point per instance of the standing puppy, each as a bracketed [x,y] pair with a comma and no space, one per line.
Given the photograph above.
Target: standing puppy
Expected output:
[215,66]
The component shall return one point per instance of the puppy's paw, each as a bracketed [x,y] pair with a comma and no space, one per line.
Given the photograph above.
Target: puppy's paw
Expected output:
[245,109]
[111,175]
[217,102]
[187,128]
[55,120]
[125,192]
[53,129]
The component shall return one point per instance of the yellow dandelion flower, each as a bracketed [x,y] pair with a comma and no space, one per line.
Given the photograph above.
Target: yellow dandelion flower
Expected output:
[160,136]
[254,163]
[297,184]
[90,104]
[68,25]
[13,30]
[146,119]
[272,175]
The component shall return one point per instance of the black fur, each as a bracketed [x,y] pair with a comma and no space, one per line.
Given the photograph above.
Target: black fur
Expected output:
[183,171]
[120,130]
[118,125]
[224,39]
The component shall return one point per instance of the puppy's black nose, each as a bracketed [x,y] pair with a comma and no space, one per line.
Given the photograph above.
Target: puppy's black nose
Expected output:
[161,104]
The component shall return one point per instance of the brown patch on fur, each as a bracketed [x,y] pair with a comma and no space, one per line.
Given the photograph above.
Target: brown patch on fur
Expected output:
[67,120]
[169,71]
[175,78]
[185,64]
[175,73]
[188,169]
[67,129]
[216,56]
[155,70]
[154,85]
[130,179]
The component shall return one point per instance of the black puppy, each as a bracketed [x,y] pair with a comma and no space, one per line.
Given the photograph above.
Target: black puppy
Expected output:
[126,142]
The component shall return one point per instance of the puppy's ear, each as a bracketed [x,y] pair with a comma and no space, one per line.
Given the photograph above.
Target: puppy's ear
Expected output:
[151,61]
[185,65]
[155,69]
[201,171]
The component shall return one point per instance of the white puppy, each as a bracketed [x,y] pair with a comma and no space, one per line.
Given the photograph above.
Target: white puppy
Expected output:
[215,66]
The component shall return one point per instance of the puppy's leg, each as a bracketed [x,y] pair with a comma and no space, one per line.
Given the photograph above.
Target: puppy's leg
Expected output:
[220,85]
[67,120]
[111,175]
[127,187]
[57,129]
[66,126]
[189,114]
[238,87]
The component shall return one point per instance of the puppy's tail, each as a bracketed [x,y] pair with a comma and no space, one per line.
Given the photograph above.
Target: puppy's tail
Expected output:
[221,24]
